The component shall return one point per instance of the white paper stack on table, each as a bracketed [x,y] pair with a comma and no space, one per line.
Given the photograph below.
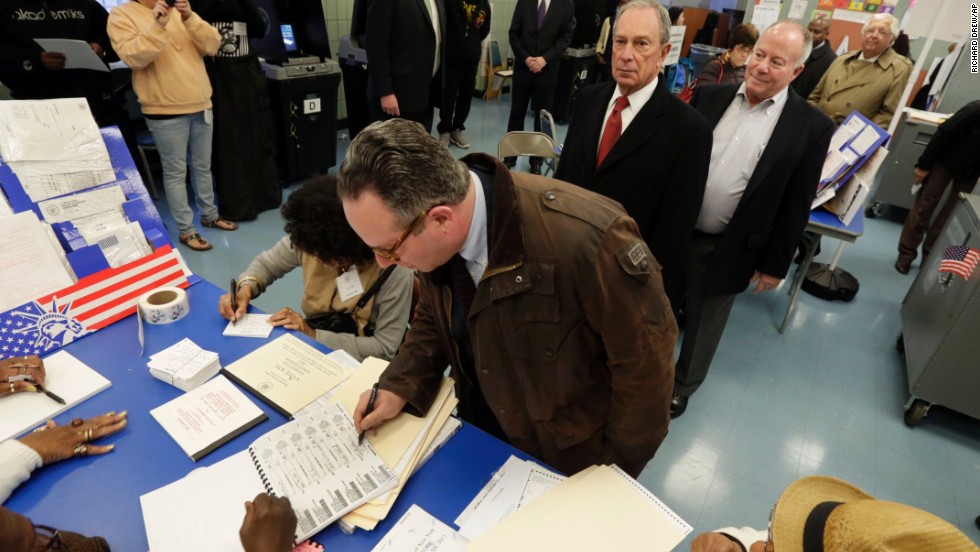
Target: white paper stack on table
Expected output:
[599,508]
[419,531]
[29,247]
[184,365]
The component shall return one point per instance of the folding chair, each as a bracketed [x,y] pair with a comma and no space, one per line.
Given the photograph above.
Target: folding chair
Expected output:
[528,144]
[548,127]
[497,75]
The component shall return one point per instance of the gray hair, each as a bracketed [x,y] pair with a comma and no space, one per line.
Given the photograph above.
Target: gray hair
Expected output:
[807,46]
[662,12]
[405,166]
[884,18]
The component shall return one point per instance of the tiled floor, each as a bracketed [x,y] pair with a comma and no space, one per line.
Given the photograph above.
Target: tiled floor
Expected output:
[825,397]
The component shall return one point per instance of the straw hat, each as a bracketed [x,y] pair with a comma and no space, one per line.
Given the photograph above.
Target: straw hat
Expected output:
[858,523]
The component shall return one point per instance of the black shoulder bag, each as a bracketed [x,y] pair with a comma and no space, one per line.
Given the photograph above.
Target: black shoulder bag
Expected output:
[345,322]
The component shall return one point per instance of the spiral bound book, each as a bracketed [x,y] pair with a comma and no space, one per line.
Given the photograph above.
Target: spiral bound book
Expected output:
[315,461]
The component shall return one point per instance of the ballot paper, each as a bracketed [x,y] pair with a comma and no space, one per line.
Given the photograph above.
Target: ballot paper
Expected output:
[249,325]
[32,264]
[119,244]
[418,531]
[207,417]
[78,53]
[516,484]
[65,376]
[94,211]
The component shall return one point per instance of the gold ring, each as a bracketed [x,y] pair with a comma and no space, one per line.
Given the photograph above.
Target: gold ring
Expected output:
[75,422]
[80,450]
[88,435]
[225,301]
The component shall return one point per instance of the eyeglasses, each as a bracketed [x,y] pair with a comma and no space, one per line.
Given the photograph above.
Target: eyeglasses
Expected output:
[48,538]
[389,254]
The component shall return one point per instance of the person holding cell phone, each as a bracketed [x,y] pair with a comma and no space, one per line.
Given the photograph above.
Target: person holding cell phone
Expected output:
[164,42]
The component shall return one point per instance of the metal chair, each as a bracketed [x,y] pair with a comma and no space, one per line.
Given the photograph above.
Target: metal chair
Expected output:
[497,74]
[528,144]
[548,127]
[145,143]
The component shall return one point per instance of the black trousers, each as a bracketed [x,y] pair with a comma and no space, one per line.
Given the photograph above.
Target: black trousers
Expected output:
[457,95]
[536,90]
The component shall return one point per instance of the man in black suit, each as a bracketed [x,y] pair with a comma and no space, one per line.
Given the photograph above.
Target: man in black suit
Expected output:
[404,48]
[821,56]
[769,147]
[658,165]
[540,31]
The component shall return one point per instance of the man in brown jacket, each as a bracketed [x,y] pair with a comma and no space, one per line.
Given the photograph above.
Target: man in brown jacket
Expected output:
[541,297]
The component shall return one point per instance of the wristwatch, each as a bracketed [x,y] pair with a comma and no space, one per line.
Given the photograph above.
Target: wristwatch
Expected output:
[28,65]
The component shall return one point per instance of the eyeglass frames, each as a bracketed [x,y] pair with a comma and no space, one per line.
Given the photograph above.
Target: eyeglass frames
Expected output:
[389,254]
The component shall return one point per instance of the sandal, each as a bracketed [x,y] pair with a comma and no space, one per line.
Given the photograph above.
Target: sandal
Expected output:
[195,242]
[220,224]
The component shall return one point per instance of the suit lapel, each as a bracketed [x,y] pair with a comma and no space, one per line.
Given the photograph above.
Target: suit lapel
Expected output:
[424,6]
[782,136]
[643,127]
[594,120]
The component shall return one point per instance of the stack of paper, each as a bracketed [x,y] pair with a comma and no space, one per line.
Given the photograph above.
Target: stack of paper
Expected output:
[32,264]
[184,365]
[207,417]
[600,508]
[418,530]
[513,486]
[401,442]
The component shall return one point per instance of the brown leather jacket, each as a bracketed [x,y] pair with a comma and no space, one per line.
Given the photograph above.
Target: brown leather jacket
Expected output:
[572,334]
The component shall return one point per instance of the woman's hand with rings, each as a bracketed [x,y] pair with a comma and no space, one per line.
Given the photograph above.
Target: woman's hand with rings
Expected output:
[21,374]
[291,320]
[53,442]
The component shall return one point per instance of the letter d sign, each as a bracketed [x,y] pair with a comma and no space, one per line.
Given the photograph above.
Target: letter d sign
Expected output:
[311,105]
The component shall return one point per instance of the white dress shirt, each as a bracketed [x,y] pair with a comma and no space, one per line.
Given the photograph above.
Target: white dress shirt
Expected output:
[637,99]
[475,251]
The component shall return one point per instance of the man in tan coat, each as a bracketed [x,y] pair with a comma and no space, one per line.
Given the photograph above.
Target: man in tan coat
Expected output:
[542,297]
[870,80]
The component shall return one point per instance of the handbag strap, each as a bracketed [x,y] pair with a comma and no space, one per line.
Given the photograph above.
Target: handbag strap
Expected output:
[721,72]
[373,289]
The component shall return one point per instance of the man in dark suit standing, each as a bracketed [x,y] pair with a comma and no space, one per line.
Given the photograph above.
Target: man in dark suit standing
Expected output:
[405,53]
[540,31]
[821,56]
[769,147]
[657,163]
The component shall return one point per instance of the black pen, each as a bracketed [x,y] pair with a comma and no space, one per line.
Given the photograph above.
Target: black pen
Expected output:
[53,397]
[367,410]
[234,301]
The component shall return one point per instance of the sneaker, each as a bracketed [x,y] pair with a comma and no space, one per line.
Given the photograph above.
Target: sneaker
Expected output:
[457,137]
[444,138]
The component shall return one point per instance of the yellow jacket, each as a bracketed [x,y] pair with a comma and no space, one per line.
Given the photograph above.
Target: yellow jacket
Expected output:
[873,89]
[167,63]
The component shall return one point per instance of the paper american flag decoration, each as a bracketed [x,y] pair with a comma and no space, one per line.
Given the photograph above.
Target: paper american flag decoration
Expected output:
[959,259]
[94,302]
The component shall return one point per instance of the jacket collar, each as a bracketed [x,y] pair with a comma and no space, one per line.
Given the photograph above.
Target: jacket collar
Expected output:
[885,60]
[508,247]
[643,128]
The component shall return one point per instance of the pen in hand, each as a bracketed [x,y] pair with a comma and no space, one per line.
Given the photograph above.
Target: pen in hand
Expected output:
[367,410]
[234,301]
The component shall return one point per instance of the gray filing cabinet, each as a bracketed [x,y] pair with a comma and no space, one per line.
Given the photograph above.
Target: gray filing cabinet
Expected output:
[896,173]
[940,317]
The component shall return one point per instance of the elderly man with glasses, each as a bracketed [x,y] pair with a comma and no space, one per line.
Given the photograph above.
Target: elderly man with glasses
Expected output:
[541,297]
[870,80]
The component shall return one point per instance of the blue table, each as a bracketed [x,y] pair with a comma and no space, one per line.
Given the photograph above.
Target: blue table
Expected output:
[822,223]
[100,495]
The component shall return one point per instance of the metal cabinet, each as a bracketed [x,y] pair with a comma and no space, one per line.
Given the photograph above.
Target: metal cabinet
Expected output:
[896,174]
[940,317]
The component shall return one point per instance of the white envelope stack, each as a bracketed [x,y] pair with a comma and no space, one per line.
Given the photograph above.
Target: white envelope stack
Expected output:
[184,365]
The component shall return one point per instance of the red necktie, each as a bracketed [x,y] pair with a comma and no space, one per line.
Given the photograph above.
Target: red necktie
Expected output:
[614,127]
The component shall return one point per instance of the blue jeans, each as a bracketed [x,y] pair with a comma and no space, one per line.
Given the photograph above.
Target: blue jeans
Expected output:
[181,142]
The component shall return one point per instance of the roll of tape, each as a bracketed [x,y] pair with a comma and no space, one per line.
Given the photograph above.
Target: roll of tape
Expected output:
[164,305]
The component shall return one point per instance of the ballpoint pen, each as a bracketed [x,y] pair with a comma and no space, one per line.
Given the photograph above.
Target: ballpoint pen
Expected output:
[55,398]
[234,301]
[368,409]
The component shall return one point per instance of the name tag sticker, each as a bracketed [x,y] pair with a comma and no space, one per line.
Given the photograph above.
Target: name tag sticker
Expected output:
[349,284]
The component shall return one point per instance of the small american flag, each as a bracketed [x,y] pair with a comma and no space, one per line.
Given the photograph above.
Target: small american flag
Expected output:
[959,259]
[96,301]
